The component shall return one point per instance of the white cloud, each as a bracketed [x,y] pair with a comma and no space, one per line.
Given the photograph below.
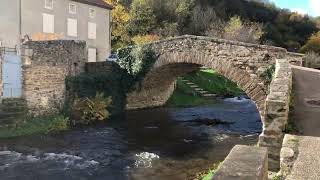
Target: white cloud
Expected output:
[315,7]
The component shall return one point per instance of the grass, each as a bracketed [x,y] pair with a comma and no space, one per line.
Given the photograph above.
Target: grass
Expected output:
[214,83]
[38,125]
[209,80]
[184,96]
[209,175]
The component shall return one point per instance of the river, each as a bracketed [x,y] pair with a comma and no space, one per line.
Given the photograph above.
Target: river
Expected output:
[159,144]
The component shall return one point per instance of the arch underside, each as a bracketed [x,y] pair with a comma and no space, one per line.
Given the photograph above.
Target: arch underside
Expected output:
[159,83]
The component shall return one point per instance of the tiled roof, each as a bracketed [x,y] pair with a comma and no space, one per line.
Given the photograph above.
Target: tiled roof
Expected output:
[98,3]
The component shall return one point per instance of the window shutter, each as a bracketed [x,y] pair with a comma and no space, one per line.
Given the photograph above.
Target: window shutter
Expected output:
[72,27]
[92,30]
[48,23]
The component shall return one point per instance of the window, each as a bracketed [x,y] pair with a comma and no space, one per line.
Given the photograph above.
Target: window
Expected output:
[92,30]
[92,13]
[72,27]
[48,4]
[92,55]
[72,9]
[48,23]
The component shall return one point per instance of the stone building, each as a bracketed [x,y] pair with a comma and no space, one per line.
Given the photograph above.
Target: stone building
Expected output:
[47,20]
[44,69]
[87,20]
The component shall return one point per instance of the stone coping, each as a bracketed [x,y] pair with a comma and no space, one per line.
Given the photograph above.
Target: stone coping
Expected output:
[244,163]
[281,84]
[217,40]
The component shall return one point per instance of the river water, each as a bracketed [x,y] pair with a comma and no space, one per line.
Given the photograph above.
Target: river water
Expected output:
[160,144]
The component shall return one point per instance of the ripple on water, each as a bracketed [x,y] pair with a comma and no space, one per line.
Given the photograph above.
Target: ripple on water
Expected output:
[145,159]
[9,159]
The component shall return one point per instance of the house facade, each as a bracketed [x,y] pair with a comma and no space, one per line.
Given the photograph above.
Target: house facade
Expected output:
[39,20]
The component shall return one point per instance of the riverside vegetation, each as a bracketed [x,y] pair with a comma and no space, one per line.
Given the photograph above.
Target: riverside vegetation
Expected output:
[90,97]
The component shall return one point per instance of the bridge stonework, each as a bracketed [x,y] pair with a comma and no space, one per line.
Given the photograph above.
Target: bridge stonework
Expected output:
[242,63]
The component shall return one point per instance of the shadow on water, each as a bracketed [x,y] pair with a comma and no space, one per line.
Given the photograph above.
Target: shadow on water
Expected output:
[161,143]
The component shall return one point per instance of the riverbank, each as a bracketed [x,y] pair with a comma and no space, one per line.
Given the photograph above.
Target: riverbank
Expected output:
[207,79]
[38,125]
[134,146]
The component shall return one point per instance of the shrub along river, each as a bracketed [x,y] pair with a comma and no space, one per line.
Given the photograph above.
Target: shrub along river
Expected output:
[161,143]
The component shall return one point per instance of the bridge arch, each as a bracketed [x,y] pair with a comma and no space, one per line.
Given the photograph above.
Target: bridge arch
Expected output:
[158,85]
[242,63]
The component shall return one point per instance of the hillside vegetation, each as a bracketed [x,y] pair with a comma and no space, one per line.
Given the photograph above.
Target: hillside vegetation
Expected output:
[255,21]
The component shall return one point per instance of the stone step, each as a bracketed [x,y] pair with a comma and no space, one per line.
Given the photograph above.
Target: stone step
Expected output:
[190,83]
[204,92]
[209,95]
[198,89]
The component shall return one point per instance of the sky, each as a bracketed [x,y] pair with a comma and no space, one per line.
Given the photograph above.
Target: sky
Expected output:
[311,7]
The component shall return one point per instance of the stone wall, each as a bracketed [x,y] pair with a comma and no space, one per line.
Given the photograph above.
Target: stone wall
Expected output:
[107,66]
[46,64]
[277,112]
[295,58]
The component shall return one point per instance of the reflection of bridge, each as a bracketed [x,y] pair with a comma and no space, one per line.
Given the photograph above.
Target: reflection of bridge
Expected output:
[242,63]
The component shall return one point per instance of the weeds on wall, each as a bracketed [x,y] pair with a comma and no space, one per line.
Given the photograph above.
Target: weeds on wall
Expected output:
[268,74]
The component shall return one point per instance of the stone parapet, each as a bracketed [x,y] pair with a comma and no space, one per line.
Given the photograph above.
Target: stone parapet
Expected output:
[277,112]
[244,163]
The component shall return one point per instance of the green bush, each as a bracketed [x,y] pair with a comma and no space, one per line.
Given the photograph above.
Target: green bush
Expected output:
[88,110]
[112,84]
[313,44]
[137,61]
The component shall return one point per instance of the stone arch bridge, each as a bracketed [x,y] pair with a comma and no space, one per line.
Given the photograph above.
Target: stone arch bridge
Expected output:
[243,63]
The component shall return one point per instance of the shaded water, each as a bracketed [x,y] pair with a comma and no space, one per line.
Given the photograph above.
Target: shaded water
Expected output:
[162,143]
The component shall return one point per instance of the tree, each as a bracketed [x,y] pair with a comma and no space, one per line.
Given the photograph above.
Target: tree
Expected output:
[120,18]
[313,44]
[244,32]
[143,20]
[139,40]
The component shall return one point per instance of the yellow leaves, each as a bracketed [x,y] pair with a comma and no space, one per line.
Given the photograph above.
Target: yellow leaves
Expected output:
[120,19]
[40,36]
[88,110]
[145,39]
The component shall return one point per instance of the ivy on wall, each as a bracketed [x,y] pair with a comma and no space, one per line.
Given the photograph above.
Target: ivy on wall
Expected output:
[133,64]
[111,84]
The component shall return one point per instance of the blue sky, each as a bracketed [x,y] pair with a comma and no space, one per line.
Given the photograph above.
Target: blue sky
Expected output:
[311,7]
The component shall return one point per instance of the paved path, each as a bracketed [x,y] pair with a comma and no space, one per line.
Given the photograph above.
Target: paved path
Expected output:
[306,87]
[307,164]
